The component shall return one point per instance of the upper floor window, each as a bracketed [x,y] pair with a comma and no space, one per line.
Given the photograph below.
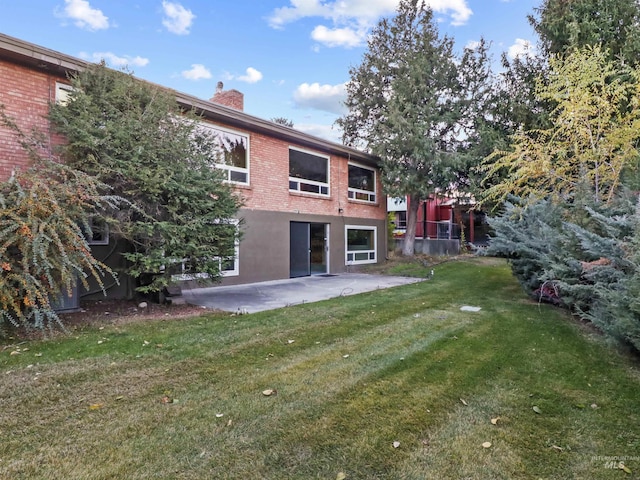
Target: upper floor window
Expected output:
[232,153]
[308,172]
[62,93]
[362,183]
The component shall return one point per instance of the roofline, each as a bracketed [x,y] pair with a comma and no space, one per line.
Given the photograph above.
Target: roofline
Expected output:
[42,58]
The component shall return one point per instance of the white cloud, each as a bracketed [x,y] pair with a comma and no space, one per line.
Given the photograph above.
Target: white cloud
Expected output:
[329,98]
[363,13]
[177,19]
[333,134]
[83,15]
[252,76]
[520,48]
[338,37]
[472,44]
[197,72]
[114,60]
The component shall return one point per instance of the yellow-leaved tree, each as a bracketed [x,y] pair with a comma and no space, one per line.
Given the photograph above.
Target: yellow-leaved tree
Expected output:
[592,141]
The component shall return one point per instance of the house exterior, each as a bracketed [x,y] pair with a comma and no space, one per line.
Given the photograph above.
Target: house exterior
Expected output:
[311,206]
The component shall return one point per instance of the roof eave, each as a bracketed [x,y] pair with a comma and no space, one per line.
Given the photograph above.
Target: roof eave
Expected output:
[49,60]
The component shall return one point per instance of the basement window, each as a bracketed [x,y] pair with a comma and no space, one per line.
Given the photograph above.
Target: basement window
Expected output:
[361,244]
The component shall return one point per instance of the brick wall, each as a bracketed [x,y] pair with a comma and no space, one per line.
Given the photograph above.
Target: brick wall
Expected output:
[25,95]
[269,184]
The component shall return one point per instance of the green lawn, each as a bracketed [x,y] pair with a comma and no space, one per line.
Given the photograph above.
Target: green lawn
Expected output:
[183,399]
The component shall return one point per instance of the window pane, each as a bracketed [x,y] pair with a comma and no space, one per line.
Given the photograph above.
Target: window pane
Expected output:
[360,240]
[235,149]
[307,166]
[238,176]
[361,178]
[231,147]
[306,187]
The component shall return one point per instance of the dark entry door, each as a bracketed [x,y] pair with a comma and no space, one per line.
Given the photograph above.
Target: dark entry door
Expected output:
[299,250]
[307,249]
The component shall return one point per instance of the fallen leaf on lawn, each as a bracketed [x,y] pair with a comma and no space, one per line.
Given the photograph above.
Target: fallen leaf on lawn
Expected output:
[341,476]
[486,445]
[119,397]
[556,447]
[269,391]
[396,444]
[624,468]
[166,399]
[219,415]
[464,402]
[594,405]
[494,421]
[345,356]
[96,406]
[537,409]
[15,352]
[229,423]
[290,341]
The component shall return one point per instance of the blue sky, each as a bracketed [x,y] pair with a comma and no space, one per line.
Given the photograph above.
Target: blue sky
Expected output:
[290,58]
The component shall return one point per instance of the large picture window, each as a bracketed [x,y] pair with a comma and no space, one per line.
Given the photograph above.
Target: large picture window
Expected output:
[232,153]
[362,183]
[360,244]
[308,172]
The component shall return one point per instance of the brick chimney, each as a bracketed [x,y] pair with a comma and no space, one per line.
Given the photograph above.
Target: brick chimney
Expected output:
[228,98]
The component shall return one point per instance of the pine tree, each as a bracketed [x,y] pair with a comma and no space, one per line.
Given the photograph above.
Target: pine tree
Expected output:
[414,103]
[133,137]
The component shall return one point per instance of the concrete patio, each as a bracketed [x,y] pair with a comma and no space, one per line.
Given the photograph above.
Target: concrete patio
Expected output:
[256,297]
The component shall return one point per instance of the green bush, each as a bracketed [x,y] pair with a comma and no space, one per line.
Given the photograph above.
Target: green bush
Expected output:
[44,215]
[582,257]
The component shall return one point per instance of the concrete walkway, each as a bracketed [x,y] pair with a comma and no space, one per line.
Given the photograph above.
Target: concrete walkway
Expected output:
[256,297]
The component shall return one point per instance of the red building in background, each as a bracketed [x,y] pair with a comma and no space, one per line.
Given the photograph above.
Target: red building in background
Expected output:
[442,218]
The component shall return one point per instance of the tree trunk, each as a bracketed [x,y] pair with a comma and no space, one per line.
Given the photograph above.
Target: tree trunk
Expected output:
[412,221]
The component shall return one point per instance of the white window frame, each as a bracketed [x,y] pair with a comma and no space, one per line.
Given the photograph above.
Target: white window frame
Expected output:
[353,192]
[320,185]
[230,168]
[224,273]
[102,227]
[62,93]
[350,255]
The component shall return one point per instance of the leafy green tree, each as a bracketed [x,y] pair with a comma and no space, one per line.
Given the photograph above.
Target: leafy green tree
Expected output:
[413,103]
[134,137]
[283,121]
[614,25]
[592,139]
[43,250]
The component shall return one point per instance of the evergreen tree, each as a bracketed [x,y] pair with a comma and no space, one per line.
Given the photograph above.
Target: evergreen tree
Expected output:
[412,102]
[133,137]
[614,25]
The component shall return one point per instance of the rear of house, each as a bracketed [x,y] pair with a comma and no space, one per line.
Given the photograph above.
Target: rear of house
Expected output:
[310,206]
